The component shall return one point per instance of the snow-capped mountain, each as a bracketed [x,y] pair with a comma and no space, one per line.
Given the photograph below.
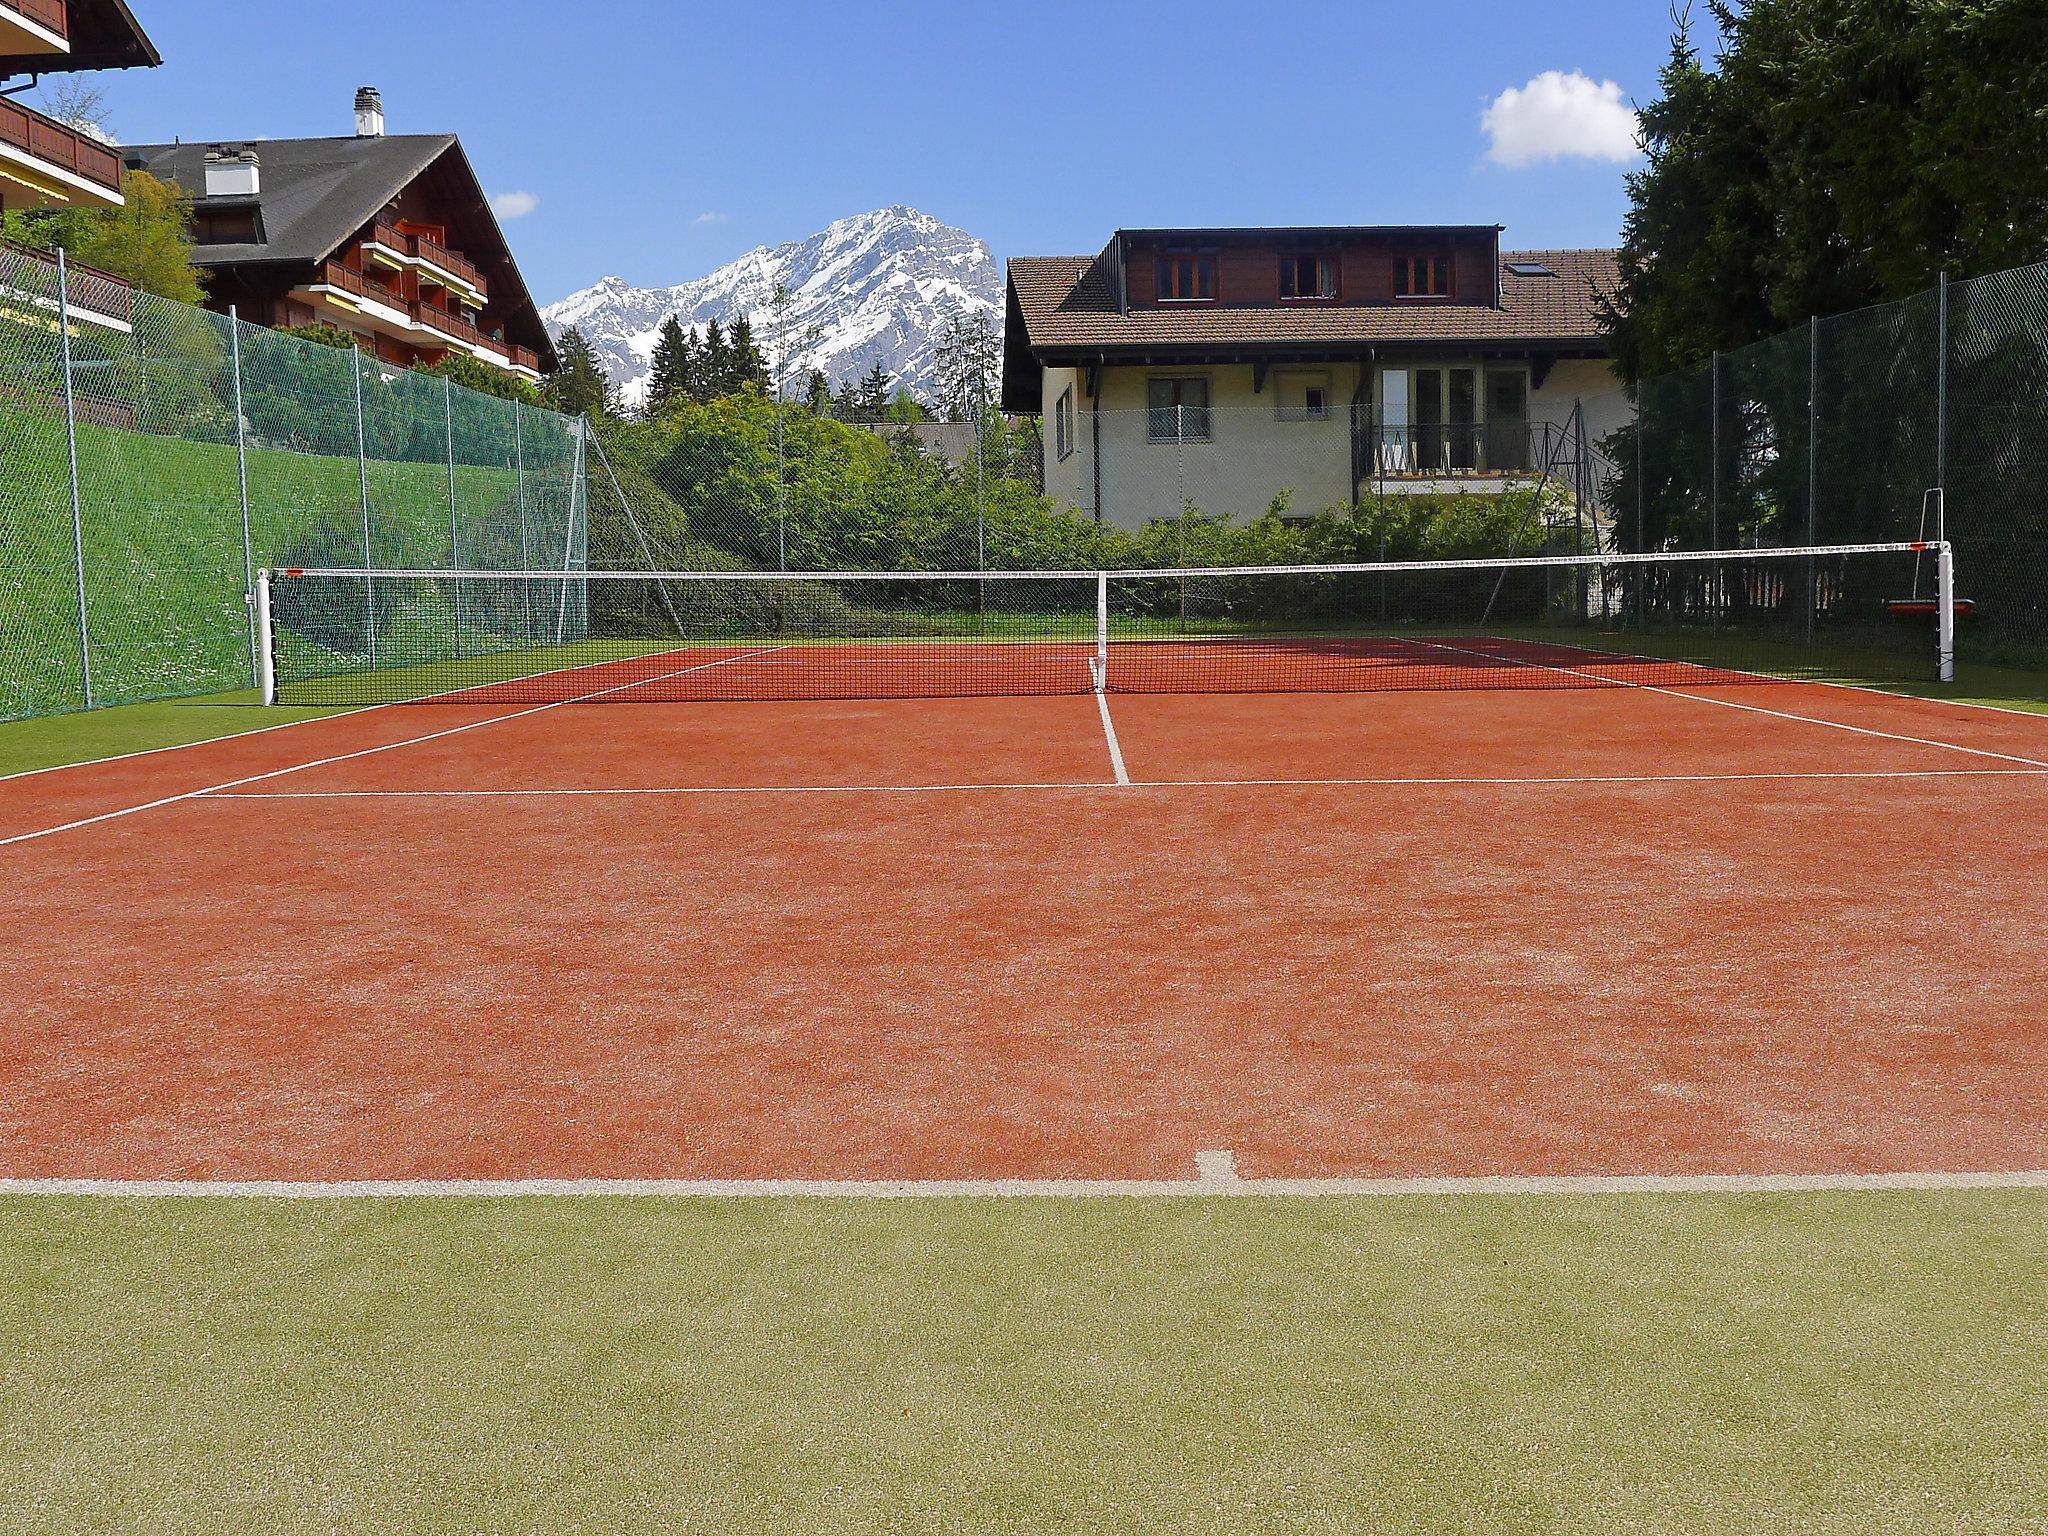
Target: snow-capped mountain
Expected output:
[879,287]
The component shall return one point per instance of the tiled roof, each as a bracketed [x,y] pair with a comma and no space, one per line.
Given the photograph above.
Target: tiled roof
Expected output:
[1067,302]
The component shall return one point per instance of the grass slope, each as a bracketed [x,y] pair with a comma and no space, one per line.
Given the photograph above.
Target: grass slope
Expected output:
[1855,1363]
[161,521]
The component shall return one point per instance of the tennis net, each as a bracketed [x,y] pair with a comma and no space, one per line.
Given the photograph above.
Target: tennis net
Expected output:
[1870,612]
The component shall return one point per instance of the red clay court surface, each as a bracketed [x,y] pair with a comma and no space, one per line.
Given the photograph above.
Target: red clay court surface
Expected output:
[1401,934]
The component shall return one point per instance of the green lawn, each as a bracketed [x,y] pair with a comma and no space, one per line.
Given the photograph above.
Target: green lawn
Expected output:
[86,736]
[1844,1362]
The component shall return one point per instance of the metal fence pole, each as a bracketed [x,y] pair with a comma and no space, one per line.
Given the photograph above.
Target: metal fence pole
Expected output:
[781,493]
[454,529]
[519,491]
[980,478]
[71,452]
[1941,402]
[242,484]
[1642,522]
[1714,452]
[1812,463]
[569,535]
[363,484]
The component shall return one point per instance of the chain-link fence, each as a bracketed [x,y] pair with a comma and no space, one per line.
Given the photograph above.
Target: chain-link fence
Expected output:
[747,483]
[1905,420]
[153,455]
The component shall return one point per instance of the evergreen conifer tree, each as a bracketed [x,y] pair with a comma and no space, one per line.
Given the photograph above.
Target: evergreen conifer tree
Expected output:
[747,364]
[580,386]
[675,357]
[714,365]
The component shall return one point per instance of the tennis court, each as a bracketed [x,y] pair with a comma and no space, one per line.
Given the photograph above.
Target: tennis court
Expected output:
[1549,914]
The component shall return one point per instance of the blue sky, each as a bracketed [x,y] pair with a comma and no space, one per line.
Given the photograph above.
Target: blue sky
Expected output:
[657,140]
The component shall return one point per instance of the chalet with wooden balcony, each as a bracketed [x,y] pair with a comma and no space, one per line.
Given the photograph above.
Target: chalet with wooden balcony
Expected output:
[1226,367]
[388,237]
[45,163]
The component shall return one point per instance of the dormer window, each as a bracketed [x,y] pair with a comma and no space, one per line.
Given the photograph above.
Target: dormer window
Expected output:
[1186,279]
[1308,277]
[1422,277]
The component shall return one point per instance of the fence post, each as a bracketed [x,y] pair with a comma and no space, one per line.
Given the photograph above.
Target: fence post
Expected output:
[519,492]
[1941,398]
[1579,472]
[569,537]
[781,493]
[980,479]
[1642,522]
[71,454]
[1812,464]
[242,486]
[1714,452]
[363,485]
[454,530]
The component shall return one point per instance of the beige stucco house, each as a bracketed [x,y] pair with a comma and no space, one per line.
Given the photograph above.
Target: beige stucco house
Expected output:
[1227,370]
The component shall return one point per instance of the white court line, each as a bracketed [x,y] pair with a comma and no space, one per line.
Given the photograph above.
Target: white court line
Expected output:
[1052,786]
[331,712]
[1116,751]
[343,757]
[1753,709]
[1213,1181]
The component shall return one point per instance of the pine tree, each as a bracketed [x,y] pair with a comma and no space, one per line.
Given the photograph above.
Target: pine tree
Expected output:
[748,366]
[580,386]
[968,366]
[818,393]
[869,399]
[713,377]
[675,359]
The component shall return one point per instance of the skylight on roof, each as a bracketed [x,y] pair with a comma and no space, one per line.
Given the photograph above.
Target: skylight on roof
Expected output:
[1530,269]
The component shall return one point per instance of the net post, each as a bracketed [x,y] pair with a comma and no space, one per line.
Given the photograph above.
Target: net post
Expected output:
[1101,632]
[1945,621]
[266,652]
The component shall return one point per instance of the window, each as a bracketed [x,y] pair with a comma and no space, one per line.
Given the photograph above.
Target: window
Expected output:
[1530,269]
[1186,279]
[1422,277]
[1177,410]
[1063,422]
[1308,277]
[1300,394]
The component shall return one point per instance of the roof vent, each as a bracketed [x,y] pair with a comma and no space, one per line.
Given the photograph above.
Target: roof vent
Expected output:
[369,113]
[233,171]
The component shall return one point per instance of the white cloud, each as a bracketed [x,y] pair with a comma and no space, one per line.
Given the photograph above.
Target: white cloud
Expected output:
[711,217]
[1559,116]
[513,205]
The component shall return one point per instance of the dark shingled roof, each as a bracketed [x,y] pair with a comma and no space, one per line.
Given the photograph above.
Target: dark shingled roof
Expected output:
[104,34]
[316,192]
[1066,303]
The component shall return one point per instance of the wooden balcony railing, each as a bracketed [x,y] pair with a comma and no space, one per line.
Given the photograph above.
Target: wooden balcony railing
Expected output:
[525,357]
[93,292]
[48,140]
[51,14]
[335,275]
[420,248]
[439,255]
[451,325]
